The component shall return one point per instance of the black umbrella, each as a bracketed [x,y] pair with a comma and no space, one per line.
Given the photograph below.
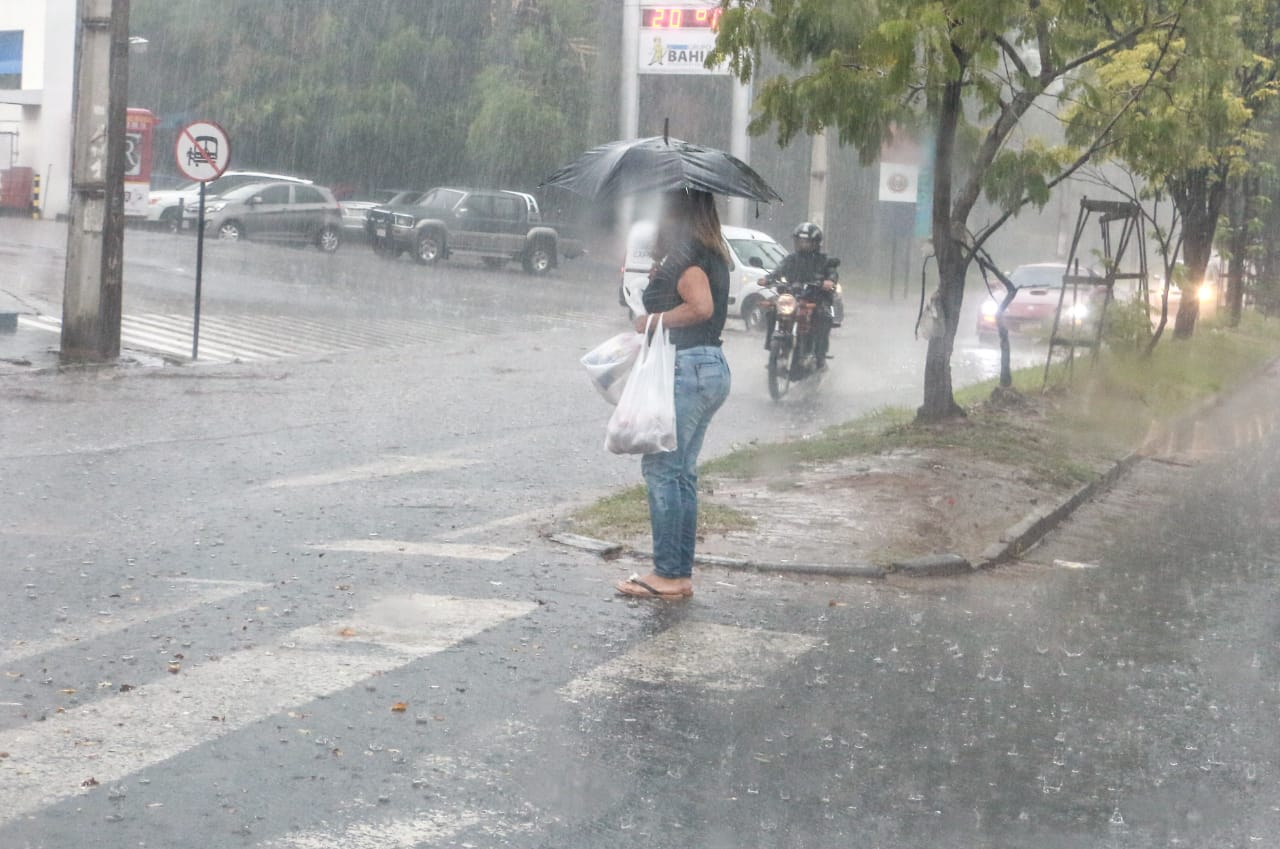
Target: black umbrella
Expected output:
[657,164]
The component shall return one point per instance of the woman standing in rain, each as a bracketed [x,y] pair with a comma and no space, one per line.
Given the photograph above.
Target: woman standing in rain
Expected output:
[689,287]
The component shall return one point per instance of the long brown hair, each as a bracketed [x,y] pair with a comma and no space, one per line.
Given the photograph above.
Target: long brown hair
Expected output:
[690,213]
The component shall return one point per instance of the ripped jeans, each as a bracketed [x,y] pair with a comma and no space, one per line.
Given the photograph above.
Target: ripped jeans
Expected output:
[702,385]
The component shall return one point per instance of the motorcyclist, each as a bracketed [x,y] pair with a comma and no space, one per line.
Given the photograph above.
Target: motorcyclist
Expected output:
[808,264]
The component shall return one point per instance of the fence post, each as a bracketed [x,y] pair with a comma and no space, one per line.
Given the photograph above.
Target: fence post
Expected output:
[35,196]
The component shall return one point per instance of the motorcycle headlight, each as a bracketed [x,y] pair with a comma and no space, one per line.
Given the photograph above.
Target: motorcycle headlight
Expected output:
[1205,292]
[839,289]
[786,304]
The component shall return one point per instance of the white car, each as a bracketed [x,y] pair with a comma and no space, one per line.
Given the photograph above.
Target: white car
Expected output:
[165,206]
[752,255]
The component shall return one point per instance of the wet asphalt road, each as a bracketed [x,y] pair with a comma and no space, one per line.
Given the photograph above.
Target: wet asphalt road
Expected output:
[304,603]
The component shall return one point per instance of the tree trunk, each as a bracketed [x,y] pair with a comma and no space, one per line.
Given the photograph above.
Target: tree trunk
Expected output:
[939,399]
[1241,211]
[1200,195]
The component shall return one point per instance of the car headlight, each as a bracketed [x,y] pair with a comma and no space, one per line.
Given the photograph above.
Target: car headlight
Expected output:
[786,304]
[989,307]
[398,220]
[1079,312]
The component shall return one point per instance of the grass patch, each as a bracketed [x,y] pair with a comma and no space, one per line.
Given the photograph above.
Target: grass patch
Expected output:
[1053,436]
[625,515]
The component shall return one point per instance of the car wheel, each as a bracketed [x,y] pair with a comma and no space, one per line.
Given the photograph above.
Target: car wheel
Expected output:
[171,219]
[328,239]
[430,247]
[230,231]
[540,257]
[753,313]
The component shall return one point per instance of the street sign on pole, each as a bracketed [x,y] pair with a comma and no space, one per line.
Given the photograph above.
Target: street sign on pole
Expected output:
[203,152]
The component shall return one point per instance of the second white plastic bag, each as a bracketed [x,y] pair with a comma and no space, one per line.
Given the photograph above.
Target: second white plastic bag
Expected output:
[644,422]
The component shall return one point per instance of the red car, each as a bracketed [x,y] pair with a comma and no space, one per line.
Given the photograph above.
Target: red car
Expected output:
[1031,311]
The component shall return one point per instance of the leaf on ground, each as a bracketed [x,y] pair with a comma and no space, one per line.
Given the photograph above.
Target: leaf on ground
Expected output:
[347,632]
[400,707]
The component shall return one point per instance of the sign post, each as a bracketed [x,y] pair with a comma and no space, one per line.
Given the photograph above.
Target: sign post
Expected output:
[203,152]
[675,37]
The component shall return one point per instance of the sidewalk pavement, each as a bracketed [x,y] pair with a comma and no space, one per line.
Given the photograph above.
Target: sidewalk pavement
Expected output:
[825,521]
[836,549]
[23,349]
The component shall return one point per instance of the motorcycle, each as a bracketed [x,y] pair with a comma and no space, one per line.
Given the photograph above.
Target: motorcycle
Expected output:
[792,348]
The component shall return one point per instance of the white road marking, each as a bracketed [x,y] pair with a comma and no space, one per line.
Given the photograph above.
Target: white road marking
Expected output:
[114,737]
[384,468]
[714,657]
[460,551]
[86,632]
[430,830]
[517,519]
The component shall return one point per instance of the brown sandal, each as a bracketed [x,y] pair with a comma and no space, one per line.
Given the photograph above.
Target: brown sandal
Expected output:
[635,587]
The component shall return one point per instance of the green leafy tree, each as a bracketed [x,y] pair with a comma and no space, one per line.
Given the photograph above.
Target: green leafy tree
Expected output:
[532,103]
[382,93]
[969,71]
[1194,139]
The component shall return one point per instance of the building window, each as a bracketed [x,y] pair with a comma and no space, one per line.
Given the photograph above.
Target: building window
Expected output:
[10,59]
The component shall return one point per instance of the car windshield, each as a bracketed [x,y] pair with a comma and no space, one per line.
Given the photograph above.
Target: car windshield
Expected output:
[442,198]
[769,253]
[1038,276]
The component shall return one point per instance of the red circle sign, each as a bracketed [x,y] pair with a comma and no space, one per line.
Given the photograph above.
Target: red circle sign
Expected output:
[202,150]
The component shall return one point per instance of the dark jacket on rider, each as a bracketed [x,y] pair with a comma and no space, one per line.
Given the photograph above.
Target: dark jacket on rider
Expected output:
[808,267]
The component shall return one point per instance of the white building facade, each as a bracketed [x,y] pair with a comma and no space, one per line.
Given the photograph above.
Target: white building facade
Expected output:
[37,75]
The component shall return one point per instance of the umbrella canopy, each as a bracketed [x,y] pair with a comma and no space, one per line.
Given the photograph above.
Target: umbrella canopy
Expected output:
[658,164]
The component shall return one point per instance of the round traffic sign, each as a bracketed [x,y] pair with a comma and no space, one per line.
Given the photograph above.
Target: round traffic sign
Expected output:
[203,151]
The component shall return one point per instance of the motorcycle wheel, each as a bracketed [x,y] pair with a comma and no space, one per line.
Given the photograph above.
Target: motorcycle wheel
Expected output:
[779,371]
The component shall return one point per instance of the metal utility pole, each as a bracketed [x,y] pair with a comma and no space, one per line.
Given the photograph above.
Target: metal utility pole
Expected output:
[95,231]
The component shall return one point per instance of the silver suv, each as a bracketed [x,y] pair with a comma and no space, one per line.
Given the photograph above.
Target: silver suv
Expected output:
[165,206]
[276,212]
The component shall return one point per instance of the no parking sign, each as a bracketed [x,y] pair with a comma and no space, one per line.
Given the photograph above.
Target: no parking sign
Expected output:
[202,150]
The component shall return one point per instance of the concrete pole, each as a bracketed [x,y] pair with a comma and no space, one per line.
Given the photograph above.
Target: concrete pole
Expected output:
[740,145]
[818,179]
[95,231]
[629,120]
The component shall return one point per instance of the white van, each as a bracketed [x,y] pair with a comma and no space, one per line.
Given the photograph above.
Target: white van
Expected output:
[752,255]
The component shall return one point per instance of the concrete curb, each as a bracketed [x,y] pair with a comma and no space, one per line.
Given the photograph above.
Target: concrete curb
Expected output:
[1014,542]
[1018,539]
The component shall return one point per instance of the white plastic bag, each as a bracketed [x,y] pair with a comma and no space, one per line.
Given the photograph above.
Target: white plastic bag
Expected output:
[609,363]
[644,422]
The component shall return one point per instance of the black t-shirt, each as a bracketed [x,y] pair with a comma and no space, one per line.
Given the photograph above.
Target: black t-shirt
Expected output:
[661,294]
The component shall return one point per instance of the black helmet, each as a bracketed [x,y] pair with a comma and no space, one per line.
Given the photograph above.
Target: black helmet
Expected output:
[809,233]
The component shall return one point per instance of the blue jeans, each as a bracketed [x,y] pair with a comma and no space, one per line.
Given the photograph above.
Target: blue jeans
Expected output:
[702,384]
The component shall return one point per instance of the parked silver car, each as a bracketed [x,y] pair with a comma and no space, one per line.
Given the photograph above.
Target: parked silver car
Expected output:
[165,205]
[277,212]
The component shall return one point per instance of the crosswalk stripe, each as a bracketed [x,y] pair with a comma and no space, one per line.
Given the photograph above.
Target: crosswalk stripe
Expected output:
[210,331]
[383,468]
[404,833]
[714,657]
[228,338]
[114,737]
[460,551]
[198,593]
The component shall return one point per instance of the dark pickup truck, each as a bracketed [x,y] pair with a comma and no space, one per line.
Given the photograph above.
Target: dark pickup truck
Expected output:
[497,226]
